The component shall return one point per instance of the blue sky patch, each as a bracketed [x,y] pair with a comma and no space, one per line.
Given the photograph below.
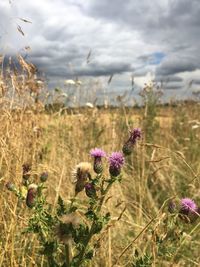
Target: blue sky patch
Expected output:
[156,58]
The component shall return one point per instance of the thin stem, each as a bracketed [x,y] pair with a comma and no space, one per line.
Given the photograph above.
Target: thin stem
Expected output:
[67,254]
[103,196]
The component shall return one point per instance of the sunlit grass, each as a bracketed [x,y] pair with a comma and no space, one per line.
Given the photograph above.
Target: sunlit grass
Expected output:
[164,165]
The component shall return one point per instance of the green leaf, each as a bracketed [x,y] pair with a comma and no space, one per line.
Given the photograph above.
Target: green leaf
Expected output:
[61,209]
[49,248]
[89,254]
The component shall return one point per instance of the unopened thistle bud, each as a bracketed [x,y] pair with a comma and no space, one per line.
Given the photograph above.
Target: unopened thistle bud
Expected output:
[81,175]
[26,167]
[116,161]
[32,195]
[44,177]
[90,190]
[128,146]
[172,206]
[10,186]
[98,154]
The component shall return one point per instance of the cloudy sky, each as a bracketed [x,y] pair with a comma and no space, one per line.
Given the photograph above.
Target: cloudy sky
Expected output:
[157,39]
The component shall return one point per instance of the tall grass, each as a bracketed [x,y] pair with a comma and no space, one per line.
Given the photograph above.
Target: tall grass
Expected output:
[164,165]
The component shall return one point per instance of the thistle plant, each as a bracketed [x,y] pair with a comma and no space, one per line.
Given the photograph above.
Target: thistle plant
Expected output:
[66,235]
[186,209]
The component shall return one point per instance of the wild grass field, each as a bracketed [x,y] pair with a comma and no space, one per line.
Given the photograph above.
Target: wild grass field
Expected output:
[164,166]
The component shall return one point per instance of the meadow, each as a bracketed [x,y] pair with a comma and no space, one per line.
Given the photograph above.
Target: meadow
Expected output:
[164,166]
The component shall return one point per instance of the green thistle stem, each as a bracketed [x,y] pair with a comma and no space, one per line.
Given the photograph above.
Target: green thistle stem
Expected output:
[91,232]
[67,254]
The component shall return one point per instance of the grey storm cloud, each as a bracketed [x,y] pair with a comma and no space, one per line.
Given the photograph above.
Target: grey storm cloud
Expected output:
[176,65]
[169,78]
[173,24]
[172,87]
[90,70]
[196,81]
[164,18]
[135,37]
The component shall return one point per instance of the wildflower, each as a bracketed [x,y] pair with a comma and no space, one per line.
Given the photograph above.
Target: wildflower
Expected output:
[189,211]
[187,205]
[81,174]
[31,195]
[90,190]
[98,154]
[134,135]
[44,176]
[116,161]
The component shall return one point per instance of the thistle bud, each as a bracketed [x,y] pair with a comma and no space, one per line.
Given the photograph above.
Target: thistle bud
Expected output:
[26,167]
[44,177]
[116,161]
[10,186]
[171,206]
[90,190]
[32,195]
[128,146]
[98,167]
[98,154]
[81,175]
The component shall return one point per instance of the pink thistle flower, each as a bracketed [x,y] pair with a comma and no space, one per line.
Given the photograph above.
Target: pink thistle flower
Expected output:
[116,161]
[187,205]
[189,210]
[98,154]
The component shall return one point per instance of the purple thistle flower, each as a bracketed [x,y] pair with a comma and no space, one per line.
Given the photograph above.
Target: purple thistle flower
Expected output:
[187,205]
[98,154]
[128,146]
[189,211]
[116,161]
[135,134]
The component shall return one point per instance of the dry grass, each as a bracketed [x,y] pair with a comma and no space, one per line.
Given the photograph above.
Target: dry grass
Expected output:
[58,142]
[159,169]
